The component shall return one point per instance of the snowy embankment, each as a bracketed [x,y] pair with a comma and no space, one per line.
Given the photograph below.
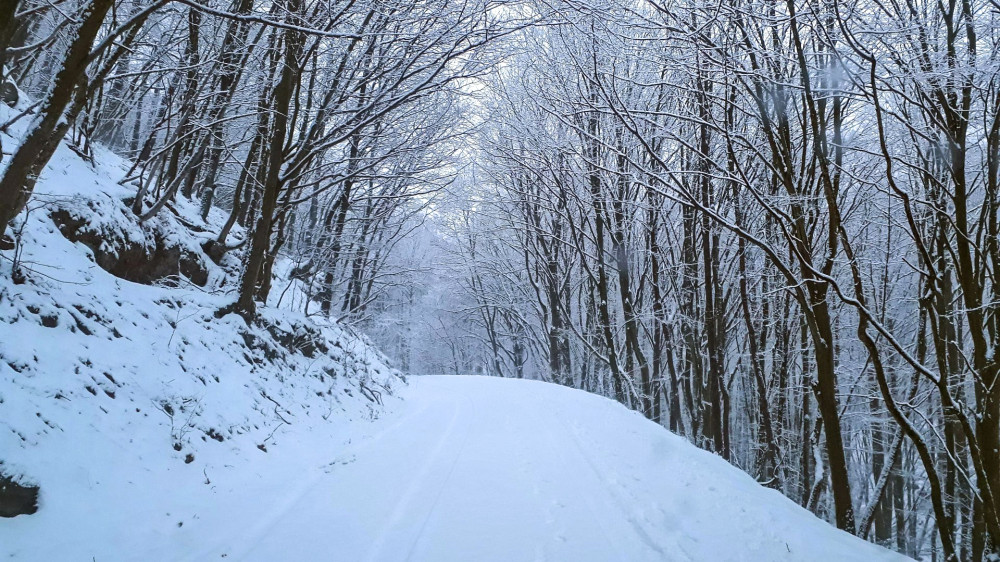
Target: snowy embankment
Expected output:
[139,414]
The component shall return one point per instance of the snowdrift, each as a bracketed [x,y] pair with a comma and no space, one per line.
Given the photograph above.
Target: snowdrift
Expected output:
[122,397]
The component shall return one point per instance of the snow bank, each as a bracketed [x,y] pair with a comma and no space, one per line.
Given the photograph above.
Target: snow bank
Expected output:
[132,407]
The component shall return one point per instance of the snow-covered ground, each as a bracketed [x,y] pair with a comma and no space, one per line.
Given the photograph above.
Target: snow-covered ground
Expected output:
[464,468]
[476,468]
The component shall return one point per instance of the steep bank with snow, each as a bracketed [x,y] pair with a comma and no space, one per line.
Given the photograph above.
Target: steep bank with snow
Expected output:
[127,402]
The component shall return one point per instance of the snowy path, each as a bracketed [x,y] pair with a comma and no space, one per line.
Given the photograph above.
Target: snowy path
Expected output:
[474,468]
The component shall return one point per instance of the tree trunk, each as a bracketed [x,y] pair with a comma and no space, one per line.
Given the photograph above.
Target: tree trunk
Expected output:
[8,23]
[261,238]
[49,127]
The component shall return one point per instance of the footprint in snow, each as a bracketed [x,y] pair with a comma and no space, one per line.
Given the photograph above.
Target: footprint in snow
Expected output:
[339,462]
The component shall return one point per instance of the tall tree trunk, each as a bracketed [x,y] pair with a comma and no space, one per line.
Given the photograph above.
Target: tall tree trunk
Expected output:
[50,126]
[8,23]
[261,238]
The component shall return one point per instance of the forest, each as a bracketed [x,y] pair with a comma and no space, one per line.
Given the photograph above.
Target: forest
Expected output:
[770,226]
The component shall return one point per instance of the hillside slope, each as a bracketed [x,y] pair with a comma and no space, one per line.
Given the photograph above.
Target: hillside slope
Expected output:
[132,408]
[476,468]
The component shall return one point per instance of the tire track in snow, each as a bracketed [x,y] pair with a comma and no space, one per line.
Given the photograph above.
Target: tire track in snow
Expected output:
[444,484]
[614,491]
[559,446]
[241,545]
[405,505]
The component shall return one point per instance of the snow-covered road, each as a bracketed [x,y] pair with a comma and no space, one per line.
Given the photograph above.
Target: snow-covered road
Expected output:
[473,468]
